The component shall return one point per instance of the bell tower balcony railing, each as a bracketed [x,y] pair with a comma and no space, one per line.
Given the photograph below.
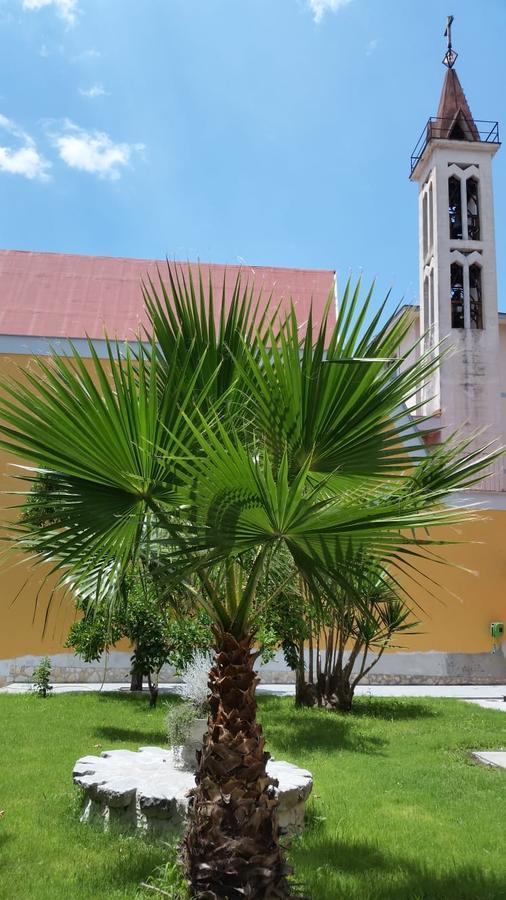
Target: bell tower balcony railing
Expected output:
[456,129]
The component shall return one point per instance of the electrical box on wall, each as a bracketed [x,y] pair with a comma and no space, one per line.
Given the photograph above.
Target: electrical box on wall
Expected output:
[496,629]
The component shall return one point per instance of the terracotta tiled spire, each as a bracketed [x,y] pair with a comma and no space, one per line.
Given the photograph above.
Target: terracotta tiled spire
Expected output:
[455,119]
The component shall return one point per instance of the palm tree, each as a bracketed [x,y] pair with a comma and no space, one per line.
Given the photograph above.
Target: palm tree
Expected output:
[330,675]
[221,444]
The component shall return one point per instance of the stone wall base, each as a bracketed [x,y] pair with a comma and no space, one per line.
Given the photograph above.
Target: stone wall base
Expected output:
[433,667]
[289,678]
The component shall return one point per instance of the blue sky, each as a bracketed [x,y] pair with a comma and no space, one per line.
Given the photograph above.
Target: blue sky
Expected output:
[273,132]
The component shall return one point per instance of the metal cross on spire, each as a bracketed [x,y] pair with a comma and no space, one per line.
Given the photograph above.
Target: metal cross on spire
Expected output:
[450,56]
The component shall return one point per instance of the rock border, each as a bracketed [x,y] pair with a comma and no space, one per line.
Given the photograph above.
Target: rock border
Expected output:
[147,790]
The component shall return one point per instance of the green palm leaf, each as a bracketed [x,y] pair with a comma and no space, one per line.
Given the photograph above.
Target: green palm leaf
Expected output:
[331,397]
[105,431]
[192,328]
[140,443]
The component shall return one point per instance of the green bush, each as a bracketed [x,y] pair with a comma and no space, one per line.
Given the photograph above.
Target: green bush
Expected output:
[41,676]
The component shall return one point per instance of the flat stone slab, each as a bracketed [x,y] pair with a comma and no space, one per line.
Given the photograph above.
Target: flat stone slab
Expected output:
[496,758]
[148,790]
[491,703]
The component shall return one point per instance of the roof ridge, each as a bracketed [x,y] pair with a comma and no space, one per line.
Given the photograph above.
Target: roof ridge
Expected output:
[152,259]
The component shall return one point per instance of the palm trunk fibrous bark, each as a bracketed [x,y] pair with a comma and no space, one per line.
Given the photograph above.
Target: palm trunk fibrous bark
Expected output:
[231,846]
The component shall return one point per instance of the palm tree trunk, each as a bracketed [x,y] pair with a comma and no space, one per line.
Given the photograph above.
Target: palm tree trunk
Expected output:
[231,846]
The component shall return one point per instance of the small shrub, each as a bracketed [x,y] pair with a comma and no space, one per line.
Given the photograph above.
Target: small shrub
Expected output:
[180,719]
[195,687]
[41,676]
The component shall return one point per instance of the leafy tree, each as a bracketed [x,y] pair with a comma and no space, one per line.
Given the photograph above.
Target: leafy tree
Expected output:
[158,638]
[218,441]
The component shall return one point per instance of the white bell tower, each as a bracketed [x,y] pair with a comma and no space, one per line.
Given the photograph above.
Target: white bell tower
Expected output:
[452,165]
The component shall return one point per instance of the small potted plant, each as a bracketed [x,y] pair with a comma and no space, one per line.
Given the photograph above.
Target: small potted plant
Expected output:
[187,721]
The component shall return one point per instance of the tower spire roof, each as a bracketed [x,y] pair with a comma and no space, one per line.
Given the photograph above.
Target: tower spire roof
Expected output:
[455,119]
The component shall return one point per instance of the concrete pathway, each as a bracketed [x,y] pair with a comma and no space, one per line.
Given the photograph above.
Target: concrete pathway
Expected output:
[489,704]
[495,758]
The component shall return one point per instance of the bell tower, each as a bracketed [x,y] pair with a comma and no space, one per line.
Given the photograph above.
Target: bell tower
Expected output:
[452,165]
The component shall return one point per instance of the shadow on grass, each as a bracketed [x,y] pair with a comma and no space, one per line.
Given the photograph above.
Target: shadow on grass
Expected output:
[393,877]
[126,862]
[293,730]
[142,736]
[5,837]
[138,698]
[396,710]
[125,696]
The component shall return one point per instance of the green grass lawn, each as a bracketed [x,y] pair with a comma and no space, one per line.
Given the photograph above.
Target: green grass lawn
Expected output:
[399,811]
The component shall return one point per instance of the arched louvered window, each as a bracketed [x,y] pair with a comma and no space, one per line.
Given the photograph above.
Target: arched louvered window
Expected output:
[457,295]
[455,208]
[475,298]
[431,218]
[473,211]
[431,299]
[425,225]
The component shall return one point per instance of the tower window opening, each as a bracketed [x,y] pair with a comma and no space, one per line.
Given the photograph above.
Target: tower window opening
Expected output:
[457,295]
[425,225]
[473,213]
[475,298]
[431,302]
[455,208]
[457,133]
[426,323]
[431,218]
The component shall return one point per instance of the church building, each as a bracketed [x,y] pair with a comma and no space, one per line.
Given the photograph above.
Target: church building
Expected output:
[48,298]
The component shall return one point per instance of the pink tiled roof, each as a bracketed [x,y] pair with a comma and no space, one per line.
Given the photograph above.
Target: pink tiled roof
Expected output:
[63,295]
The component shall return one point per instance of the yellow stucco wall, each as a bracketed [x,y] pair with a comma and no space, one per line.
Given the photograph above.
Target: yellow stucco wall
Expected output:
[33,621]
[457,617]
[455,620]
[23,598]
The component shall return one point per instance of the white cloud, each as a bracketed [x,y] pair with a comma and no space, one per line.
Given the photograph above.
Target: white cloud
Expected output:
[93,151]
[320,7]
[371,47]
[23,159]
[96,90]
[55,50]
[65,9]
[87,54]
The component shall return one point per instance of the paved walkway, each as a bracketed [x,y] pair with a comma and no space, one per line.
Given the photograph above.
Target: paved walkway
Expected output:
[490,696]
[495,758]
